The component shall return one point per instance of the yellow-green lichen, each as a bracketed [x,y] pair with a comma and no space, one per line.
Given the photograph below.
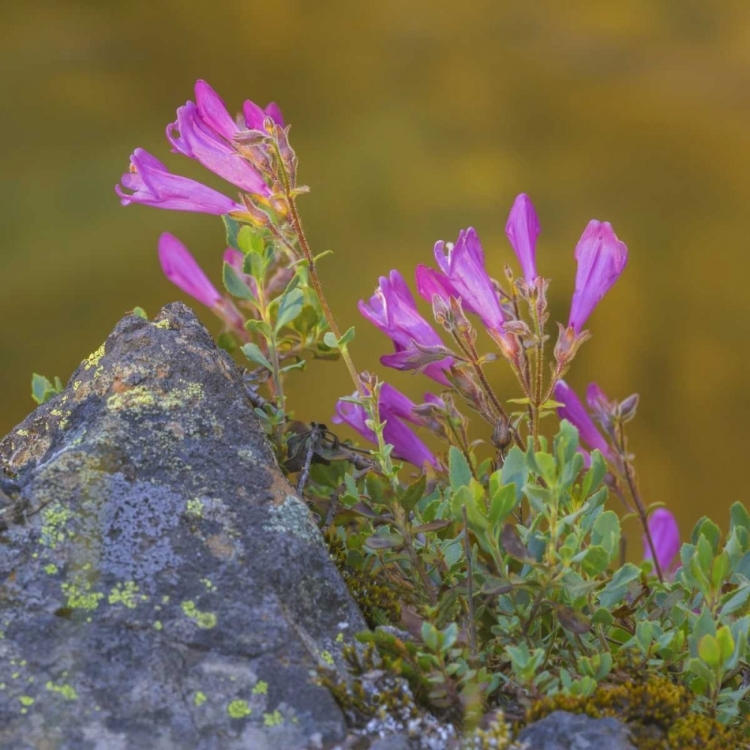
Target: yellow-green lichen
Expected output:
[261,688]
[76,385]
[66,691]
[238,709]
[204,620]
[141,397]
[55,518]
[26,700]
[93,359]
[199,698]
[194,508]
[273,719]
[327,658]
[340,638]
[50,569]
[15,675]
[22,433]
[80,596]
[161,324]
[208,584]
[158,625]
[126,594]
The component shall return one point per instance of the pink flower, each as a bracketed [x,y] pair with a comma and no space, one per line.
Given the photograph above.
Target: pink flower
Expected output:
[522,230]
[395,409]
[575,412]
[601,259]
[181,268]
[153,185]
[393,310]
[665,533]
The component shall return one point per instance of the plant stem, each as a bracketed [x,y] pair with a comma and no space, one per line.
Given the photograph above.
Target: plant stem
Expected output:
[635,494]
[470,586]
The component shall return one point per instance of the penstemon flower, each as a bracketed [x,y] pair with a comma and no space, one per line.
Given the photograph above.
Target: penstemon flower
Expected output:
[393,310]
[601,259]
[181,268]
[463,275]
[662,526]
[395,409]
[575,412]
[152,184]
[522,230]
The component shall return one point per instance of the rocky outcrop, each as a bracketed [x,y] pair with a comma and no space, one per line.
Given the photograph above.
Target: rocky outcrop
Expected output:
[161,586]
[565,731]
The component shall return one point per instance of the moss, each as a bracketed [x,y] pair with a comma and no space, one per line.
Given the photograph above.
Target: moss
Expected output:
[199,698]
[658,713]
[495,736]
[66,691]
[273,719]
[204,620]
[378,601]
[261,688]
[238,709]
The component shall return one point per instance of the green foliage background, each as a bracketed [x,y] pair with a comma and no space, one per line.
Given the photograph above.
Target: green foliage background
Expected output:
[412,120]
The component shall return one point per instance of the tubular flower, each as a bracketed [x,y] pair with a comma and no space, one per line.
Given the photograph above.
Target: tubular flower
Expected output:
[462,267]
[192,137]
[181,268]
[393,310]
[522,230]
[153,185]
[575,412]
[395,410]
[601,259]
[665,534]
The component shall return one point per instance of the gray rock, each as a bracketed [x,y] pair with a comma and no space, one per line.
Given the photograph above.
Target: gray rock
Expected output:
[160,584]
[565,731]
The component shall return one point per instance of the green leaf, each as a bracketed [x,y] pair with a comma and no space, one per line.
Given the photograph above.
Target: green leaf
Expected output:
[739,516]
[254,354]
[515,471]
[235,285]
[347,337]
[719,570]
[698,668]
[458,468]
[547,467]
[227,342]
[259,326]
[385,541]
[289,307]
[233,229]
[596,561]
[413,494]
[42,390]
[606,533]
[502,503]
[330,340]
[512,545]
[572,620]
[709,651]
[614,592]
[431,637]
[566,442]
[250,241]
[708,529]
[726,642]
[735,600]
[594,476]
[140,312]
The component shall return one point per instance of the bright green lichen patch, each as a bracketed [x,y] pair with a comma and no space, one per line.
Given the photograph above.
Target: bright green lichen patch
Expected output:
[273,719]
[50,569]
[66,691]
[204,620]
[158,625]
[126,594]
[93,359]
[80,595]
[261,688]
[194,508]
[26,700]
[327,658]
[208,584]
[141,397]
[55,518]
[238,709]
[199,698]
[162,324]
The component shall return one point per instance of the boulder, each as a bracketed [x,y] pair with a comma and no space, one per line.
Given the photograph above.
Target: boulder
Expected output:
[161,586]
[562,730]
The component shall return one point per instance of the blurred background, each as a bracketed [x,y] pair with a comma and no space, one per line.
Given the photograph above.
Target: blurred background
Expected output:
[412,120]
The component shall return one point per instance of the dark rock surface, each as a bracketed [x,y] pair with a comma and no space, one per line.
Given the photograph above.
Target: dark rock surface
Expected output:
[565,731]
[160,584]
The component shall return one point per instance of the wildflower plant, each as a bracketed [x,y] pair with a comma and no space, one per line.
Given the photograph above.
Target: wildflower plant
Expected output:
[507,562]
